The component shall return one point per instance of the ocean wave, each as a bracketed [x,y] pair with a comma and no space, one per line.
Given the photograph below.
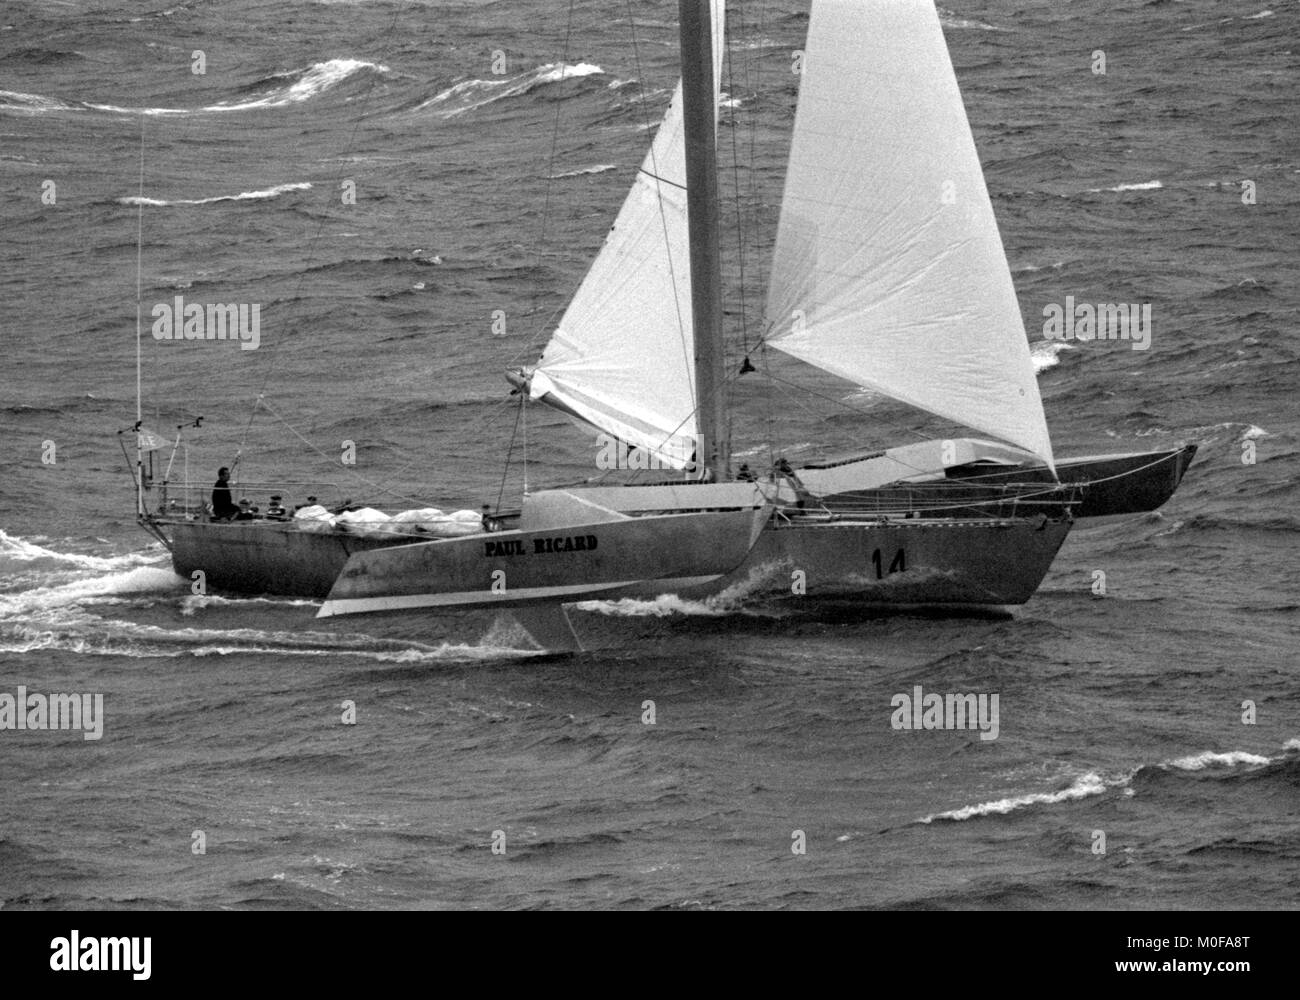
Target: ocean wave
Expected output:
[1084,786]
[32,104]
[1283,523]
[263,195]
[599,168]
[1045,354]
[44,57]
[1093,783]
[1246,287]
[1138,186]
[1226,20]
[1200,761]
[1031,268]
[469,95]
[956,22]
[293,87]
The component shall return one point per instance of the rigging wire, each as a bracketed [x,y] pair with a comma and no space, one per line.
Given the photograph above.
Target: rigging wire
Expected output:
[550,183]
[315,239]
[505,469]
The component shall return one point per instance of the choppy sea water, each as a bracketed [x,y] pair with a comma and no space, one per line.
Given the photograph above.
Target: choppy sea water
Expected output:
[480,191]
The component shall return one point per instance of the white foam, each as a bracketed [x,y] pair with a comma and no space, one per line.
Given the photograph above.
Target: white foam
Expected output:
[724,603]
[17,549]
[262,195]
[555,72]
[1045,354]
[599,168]
[1141,186]
[314,80]
[198,602]
[447,651]
[1200,761]
[141,580]
[951,20]
[469,95]
[1082,787]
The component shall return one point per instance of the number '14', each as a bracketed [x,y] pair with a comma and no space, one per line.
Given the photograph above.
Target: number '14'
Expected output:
[897,566]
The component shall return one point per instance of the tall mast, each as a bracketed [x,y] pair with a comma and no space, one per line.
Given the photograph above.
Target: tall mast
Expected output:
[699,117]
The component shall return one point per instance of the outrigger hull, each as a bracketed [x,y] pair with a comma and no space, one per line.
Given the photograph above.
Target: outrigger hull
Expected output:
[616,556]
[991,479]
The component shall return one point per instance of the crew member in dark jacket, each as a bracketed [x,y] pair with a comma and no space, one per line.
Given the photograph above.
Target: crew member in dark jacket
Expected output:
[223,505]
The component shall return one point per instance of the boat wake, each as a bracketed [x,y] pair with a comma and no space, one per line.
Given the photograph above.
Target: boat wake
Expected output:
[56,600]
[727,602]
[17,550]
[107,588]
[195,603]
[109,637]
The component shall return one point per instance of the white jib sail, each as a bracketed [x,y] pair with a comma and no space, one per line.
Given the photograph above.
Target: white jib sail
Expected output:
[622,357]
[888,269]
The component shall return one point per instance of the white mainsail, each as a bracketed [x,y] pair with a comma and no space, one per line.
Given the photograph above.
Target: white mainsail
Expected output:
[622,357]
[888,269]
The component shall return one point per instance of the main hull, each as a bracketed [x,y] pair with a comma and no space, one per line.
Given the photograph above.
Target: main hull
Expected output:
[258,557]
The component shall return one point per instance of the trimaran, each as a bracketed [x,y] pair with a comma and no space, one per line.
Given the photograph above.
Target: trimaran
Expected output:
[888,271]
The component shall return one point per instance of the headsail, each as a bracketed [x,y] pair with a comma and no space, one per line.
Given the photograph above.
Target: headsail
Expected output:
[622,357]
[889,270]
